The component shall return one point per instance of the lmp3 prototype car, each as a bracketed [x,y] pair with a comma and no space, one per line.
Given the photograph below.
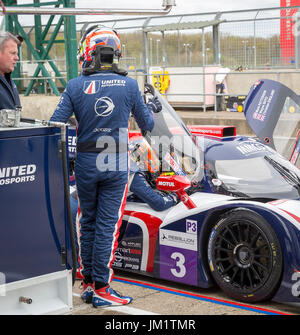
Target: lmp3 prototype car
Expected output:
[238,222]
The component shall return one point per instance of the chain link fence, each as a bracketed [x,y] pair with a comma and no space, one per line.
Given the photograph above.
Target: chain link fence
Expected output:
[252,40]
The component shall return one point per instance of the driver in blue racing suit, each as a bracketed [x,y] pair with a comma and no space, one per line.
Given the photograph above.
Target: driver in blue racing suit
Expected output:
[102,99]
[145,161]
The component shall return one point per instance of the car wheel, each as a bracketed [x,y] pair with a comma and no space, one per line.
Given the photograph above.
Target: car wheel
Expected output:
[245,256]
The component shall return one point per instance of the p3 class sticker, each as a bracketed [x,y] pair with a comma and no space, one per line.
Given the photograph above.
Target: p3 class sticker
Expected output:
[191,226]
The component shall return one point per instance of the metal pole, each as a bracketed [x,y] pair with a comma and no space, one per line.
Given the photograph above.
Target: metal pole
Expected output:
[164,60]
[178,48]
[87,11]
[145,50]
[70,42]
[38,45]
[297,44]
[151,52]
[216,44]
[157,58]
[254,46]
[203,68]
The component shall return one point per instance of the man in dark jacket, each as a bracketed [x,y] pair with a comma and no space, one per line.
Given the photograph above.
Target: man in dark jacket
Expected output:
[9,96]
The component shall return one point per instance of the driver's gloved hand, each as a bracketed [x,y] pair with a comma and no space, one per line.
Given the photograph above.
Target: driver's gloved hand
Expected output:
[175,198]
[154,105]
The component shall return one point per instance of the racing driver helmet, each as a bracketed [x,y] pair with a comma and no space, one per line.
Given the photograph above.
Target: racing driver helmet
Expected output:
[99,48]
[142,155]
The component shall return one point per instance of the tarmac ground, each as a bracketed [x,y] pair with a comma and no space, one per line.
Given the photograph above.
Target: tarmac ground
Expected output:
[159,297]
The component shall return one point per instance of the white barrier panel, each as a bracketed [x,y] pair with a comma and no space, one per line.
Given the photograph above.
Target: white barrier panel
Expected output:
[189,84]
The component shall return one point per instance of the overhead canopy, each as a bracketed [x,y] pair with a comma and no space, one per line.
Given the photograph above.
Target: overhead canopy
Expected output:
[183,25]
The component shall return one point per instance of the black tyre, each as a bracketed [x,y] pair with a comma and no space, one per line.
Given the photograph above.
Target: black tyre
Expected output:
[245,256]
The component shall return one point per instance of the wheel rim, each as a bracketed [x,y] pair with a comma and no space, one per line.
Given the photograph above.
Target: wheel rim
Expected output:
[243,256]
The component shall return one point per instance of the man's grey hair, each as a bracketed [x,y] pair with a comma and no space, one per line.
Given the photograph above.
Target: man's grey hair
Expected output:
[6,36]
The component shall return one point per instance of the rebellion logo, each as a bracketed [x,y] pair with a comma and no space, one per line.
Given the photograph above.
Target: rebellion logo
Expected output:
[17,174]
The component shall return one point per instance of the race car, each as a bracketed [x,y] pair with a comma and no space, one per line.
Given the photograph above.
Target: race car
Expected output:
[237,225]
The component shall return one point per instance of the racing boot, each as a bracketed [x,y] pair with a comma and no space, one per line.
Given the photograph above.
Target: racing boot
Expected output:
[87,292]
[106,296]
[79,275]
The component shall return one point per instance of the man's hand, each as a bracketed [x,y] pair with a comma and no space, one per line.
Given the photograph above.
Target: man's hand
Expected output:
[154,105]
[175,198]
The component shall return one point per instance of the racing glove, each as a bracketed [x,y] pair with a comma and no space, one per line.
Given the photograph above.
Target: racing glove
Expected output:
[175,198]
[154,105]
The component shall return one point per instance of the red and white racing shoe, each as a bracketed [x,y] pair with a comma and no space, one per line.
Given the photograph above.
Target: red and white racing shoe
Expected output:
[106,296]
[87,292]
[79,275]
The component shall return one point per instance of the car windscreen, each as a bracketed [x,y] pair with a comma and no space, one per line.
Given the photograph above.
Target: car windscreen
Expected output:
[265,176]
[285,132]
[174,144]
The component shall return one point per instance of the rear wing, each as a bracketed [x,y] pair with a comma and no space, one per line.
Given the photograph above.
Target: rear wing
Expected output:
[272,110]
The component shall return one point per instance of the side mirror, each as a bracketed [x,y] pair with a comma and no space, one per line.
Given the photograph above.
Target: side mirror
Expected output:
[176,184]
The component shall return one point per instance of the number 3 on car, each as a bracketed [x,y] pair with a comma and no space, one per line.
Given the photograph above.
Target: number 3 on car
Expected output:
[180,269]
[178,256]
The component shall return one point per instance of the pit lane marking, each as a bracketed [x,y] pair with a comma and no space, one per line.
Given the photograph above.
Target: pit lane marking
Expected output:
[199,297]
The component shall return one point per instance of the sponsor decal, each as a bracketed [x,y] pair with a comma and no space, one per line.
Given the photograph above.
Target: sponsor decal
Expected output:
[166,183]
[191,226]
[263,106]
[104,106]
[91,87]
[176,168]
[132,266]
[130,251]
[102,130]
[178,239]
[72,144]
[131,244]
[17,174]
[120,258]
[249,148]
[94,86]
[113,82]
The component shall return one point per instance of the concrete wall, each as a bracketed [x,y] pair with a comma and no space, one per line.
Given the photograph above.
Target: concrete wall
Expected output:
[187,84]
[239,83]
[39,107]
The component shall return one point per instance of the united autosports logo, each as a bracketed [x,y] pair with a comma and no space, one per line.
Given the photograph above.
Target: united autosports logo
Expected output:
[91,87]
[104,106]
[17,174]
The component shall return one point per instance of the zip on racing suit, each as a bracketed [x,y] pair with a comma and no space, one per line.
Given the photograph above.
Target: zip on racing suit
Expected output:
[102,102]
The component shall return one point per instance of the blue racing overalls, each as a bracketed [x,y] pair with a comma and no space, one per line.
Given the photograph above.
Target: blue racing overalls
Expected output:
[102,103]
